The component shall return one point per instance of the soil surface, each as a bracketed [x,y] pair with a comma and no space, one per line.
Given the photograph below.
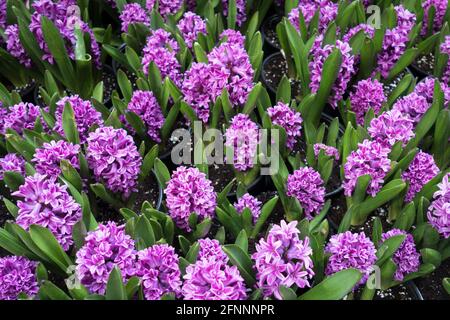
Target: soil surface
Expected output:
[273,71]
[431,285]
[425,63]
[270,33]
[399,292]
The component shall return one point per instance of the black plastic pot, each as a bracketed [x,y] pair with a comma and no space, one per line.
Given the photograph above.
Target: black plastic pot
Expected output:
[272,88]
[26,93]
[417,72]
[269,46]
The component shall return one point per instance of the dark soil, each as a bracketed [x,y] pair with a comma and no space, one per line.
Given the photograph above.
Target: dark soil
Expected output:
[431,285]
[399,292]
[425,63]
[25,92]
[367,227]
[337,210]
[220,176]
[274,68]
[270,33]
[165,147]
[389,87]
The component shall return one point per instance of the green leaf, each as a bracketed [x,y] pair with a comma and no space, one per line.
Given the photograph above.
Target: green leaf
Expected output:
[13,179]
[115,289]
[161,172]
[242,260]
[143,230]
[49,290]
[388,248]
[69,124]
[266,210]
[287,293]
[242,241]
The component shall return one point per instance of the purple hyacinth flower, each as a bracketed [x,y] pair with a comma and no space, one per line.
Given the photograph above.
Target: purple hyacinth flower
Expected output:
[17,276]
[12,162]
[250,202]
[282,115]
[47,159]
[367,94]
[439,211]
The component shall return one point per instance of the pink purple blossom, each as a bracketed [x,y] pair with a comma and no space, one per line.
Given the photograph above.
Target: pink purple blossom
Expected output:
[327,13]
[114,158]
[367,94]
[17,276]
[233,37]
[241,15]
[406,258]
[3,13]
[413,106]
[47,159]
[419,172]
[440,7]
[86,116]
[21,116]
[242,136]
[145,105]
[105,248]
[12,162]
[189,191]
[15,47]
[391,127]
[250,202]
[439,211]
[371,158]
[157,267]
[282,115]
[425,88]
[345,72]
[210,248]
[133,13]
[307,186]
[166,7]
[283,260]
[190,26]
[445,49]
[45,202]
[367,29]
[328,150]
[350,250]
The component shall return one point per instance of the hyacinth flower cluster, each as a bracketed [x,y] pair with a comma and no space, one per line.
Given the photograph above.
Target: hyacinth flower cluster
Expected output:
[328,150]
[306,185]
[145,105]
[250,202]
[190,26]
[211,278]
[419,172]
[425,88]
[282,259]
[133,13]
[85,115]
[241,13]
[43,201]
[445,49]
[395,41]
[47,159]
[233,37]
[161,49]
[371,158]
[165,7]
[327,13]
[413,106]
[158,269]
[367,94]
[105,248]
[351,250]
[367,29]
[114,158]
[345,72]
[3,8]
[17,276]
[282,115]
[187,192]
[21,116]
[391,127]
[59,12]
[440,7]
[15,47]
[12,162]
[406,258]
[439,211]
[243,137]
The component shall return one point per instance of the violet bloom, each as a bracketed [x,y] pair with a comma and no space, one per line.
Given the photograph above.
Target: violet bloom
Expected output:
[15,47]
[307,186]
[406,258]
[232,61]
[161,50]
[327,13]
[86,116]
[439,211]
[166,7]
[367,29]
[367,94]
[45,202]
[345,72]
[413,106]
[370,158]
[328,150]
[21,116]
[233,37]
[440,7]
[106,247]
[47,159]
[241,14]
[133,13]
[283,260]
[351,250]
[391,127]
[3,113]
[243,137]
[210,248]
[114,157]
[145,105]
[3,13]
[17,276]
[420,171]
[425,88]
[189,191]
[12,162]
[445,49]
[250,202]
[190,26]
[282,115]
[157,267]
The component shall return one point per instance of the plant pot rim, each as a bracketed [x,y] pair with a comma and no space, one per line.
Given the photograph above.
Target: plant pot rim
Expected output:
[267,21]
[264,64]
